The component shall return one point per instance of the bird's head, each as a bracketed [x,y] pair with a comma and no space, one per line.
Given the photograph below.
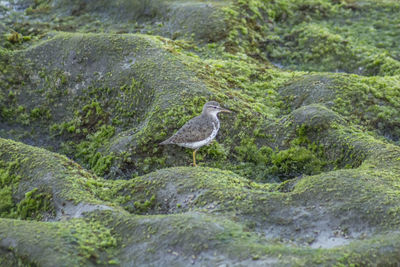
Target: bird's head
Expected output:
[213,108]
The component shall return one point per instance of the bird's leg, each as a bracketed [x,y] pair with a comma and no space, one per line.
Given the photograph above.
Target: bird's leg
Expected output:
[194,158]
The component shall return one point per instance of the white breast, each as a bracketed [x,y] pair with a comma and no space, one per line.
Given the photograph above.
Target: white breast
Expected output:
[206,141]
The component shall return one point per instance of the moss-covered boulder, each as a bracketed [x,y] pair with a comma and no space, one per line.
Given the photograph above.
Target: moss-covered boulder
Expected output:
[99,101]
[200,21]
[180,215]
[305,172]
[371,102]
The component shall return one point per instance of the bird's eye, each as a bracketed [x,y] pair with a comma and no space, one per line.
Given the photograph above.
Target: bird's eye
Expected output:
[214,107]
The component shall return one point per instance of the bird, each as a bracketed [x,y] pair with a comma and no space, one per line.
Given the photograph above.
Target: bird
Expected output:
[198,131]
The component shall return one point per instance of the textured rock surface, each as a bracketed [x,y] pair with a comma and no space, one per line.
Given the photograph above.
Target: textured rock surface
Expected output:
[305,172]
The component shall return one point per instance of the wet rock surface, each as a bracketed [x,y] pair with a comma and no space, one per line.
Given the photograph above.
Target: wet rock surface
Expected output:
[306,171]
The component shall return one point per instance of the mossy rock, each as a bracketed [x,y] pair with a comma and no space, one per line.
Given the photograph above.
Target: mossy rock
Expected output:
[96,97]
[195,212]
[111,99]
[109,105]
[195,20]
[367,101]
[332,36]
[112,123]
[305,172]
[43,184]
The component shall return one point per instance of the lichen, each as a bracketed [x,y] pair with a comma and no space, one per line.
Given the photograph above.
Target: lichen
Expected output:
[306,159]
[34,205]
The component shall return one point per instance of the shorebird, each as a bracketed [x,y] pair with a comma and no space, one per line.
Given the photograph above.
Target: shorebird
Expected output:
[200,130]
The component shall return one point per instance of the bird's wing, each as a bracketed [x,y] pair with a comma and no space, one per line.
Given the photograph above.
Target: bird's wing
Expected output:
[194,130]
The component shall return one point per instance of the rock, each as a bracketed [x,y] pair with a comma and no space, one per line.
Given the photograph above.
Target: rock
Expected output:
[354,97]
[309,89]
[304,172]
[91,90]
[247,218]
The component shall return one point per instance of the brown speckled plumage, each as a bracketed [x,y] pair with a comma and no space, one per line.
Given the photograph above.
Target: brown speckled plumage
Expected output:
[195,130]
[200,130]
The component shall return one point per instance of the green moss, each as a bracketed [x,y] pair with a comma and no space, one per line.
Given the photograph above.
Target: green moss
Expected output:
[40,113]
[34,205]
[8,185]
[146,205]
[89,127]
[372,102]
[87,150]
[16,114]
[30,164]
[332,52]
[97,237]
[74,242]
[6,203]
[330,36]
[296,161]
[92,237]
[112,122]
[237,82]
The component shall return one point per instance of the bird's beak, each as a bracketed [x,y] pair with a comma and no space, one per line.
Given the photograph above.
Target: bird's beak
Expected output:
[225,110]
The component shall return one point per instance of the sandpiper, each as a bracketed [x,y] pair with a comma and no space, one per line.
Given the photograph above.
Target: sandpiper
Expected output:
[200,130]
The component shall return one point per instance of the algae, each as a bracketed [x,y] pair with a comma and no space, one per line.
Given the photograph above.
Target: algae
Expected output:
[305,172]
